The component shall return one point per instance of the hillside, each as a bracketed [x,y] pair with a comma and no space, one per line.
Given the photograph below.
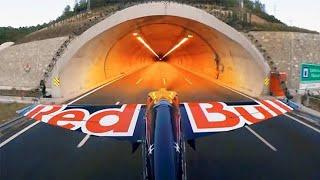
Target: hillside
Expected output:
[249,17]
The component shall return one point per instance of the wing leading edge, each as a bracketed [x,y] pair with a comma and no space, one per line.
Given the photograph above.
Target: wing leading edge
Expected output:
[126,122]
[201,119]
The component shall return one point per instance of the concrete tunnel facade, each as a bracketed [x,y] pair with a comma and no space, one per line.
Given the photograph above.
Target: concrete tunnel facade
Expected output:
[109,49]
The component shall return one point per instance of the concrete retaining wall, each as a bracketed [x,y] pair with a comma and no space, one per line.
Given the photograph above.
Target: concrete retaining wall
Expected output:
[288,50]
[22,66]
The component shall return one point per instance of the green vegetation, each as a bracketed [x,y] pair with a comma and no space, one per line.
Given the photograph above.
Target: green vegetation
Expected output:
[8,110]
[13,34]
[248,6]
[278,27]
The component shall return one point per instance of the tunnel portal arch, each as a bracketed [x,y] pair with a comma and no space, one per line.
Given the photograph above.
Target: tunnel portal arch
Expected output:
[95,57]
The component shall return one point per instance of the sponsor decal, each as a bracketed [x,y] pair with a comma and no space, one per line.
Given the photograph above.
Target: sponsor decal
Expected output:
[219,117]
[106,122]
[121,121]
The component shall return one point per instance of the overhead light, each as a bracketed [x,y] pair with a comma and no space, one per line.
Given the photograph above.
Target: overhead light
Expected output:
[145,44]
[190,36]
[185,39]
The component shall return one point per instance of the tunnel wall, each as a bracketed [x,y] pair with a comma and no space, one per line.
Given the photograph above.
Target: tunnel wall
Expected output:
[82,67]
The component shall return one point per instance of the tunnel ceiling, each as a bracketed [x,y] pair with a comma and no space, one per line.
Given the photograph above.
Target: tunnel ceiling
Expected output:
[215,51]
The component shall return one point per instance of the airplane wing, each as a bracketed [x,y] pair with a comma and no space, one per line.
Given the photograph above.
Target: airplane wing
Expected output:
[126,122]
[123,122]
[202,119]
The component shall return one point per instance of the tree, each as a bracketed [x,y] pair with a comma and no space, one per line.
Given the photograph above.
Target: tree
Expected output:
[97,3]
[67,9]
[80,6]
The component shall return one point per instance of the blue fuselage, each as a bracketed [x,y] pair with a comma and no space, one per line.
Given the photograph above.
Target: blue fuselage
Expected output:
[164,151]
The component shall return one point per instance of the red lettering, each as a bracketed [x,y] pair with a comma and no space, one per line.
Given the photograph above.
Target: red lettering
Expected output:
[283,106]
[249,117]
[271,107]
[34,111]
[202,121]
[72,115]
[113,120]
[42,110]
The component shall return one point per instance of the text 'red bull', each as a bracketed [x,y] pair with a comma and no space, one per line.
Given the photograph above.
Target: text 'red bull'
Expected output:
[218,117]
[107,122]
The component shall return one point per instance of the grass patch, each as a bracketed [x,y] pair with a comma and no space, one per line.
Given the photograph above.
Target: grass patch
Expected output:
[8,111]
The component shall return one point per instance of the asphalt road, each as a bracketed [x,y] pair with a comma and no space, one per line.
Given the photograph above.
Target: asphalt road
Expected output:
[241,155]
[46,152]
[134,88]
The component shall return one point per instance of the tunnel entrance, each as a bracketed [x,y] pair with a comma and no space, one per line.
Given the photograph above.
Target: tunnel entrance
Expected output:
[174,49]
[161,42]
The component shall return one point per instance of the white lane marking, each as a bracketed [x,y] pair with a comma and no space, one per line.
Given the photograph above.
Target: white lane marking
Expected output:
[83,141]
[303,123]
[94,90]
[139,81]
[261,138]
[188,81]
[164,81]
[37,122]
[313,121]
[219,84]
[18,133]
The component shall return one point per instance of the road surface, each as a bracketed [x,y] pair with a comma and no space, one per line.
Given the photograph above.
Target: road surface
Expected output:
[134,88]
[281,148]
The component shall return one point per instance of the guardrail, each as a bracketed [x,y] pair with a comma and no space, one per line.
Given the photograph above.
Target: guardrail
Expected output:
[10,123]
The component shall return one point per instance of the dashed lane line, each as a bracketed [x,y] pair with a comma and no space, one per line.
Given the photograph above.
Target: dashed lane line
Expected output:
[188,81]
[164,81]
[261,138]
[139,81]
[85,139]
[219,84]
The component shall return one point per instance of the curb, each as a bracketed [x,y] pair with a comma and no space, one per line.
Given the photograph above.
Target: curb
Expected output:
[10,123]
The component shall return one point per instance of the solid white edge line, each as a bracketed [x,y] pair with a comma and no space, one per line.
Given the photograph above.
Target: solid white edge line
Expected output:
[83,141]
[300,116]
[303,123]
[18,133]
[219,84]
[94,90]
[261,138]
[37,122]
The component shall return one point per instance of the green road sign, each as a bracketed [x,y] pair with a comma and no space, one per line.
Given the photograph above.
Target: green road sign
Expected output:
[310,76]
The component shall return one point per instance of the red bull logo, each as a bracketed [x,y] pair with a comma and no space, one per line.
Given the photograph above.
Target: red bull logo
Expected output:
[122,120]
[218,116]
[107,122]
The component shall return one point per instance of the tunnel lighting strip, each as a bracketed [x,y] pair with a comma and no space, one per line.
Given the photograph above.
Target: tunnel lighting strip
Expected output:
[177,46]
[146,45]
